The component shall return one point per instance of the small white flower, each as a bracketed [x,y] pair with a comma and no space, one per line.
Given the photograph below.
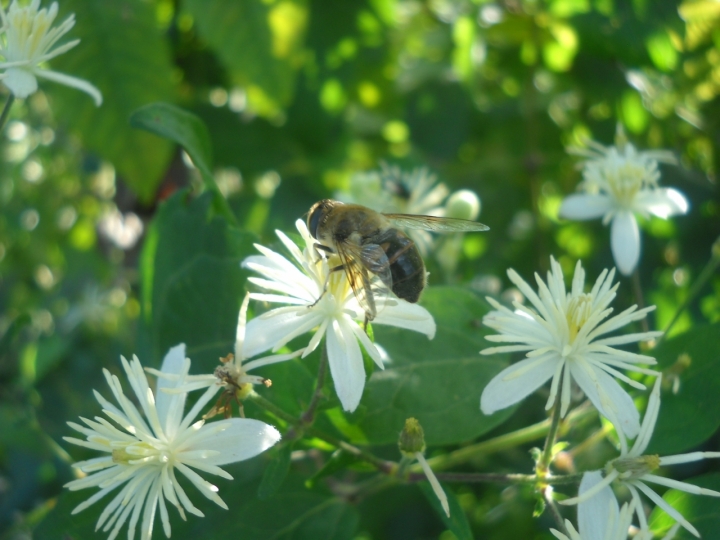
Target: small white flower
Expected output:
[334,313]
[619,182]
[232,374]
[561,335]
[397,191]
[633,469]
[28,43]
[600,517]
[144,448]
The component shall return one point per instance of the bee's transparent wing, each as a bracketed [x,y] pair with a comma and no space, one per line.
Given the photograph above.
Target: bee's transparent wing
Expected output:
[368,271]
[435,224]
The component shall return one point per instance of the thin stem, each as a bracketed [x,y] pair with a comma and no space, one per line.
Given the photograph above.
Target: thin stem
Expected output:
[6,111]
[503,442]
[308,417]
[639,298]
[547,455]
[498,478]
[707,272]
[547,494]
[382,465]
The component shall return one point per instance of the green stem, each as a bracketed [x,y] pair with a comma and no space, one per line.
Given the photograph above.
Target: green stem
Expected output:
[639,298]
[707,272]
[6,111]
[308,417]
[553,509]
[502,442]
[380,464]
[544,464]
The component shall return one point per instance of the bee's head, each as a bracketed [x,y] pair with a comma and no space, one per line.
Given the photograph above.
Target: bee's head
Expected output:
[318,214]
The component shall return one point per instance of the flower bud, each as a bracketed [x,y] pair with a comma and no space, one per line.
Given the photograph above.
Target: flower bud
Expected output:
[635,467]
[412,438]
[463,204]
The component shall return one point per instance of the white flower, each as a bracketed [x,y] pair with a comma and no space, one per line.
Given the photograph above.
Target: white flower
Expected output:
[599,518]
[633,469]
[562,340]
[232,374]
[334,314]
[619,182]
[28,43]
[144,448]
[397,191]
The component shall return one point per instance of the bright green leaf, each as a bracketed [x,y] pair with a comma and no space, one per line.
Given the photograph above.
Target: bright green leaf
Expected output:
[130,63]
[457,522]
[275,472]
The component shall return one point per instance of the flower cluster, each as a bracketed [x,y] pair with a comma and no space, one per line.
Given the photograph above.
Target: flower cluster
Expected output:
[323,300]
[618,183]
[564,337]
[27,41]
[144,448]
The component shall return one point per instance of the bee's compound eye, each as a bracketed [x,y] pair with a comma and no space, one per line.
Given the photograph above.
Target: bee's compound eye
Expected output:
[314,218]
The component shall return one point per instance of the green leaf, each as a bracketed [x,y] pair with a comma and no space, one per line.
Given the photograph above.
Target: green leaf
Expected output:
[180,126]
[260,42]
[457,522]
[275,472]
[439,382]
[701,511]
[192,281]
[123,53]
[691,415]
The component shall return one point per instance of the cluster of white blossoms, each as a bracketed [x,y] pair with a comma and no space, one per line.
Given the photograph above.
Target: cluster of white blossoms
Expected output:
[143,450]
[27,41]
[564,337]
[618,183]
[322,301]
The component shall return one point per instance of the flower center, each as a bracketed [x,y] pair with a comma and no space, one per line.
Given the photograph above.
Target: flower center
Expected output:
[625,181]
[137,452]
[578,312]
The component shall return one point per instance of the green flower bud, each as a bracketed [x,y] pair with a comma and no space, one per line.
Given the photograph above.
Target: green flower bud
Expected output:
[412,438]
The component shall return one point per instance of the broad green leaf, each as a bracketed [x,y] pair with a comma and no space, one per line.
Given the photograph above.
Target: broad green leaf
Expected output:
[192,281]
[439,382]
[691,415]
[700,510]
[123,53]
[259,42]
[457,522]
[180,126]
[275,472]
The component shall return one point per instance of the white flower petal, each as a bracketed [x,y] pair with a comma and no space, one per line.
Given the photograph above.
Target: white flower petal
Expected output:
[595,514]
[264,332]
[608,396]
[514,383]
[346,365]
[582,206]
[243,439]
[72,82]
[20,81]
[171,405]
[625,242]
[409,316]
[662,202]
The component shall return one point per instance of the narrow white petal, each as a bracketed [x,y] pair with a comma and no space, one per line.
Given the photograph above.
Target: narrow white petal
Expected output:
[72,82]
[514,383]
[346,365]
[608,396]
[581,206]
[264,333]
[170,406]
[597,513]
[409,316]
[662,202]
[625,242]
[436,487]
[662,503]
[243,439]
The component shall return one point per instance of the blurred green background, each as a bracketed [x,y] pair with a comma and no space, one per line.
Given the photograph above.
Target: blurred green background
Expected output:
[298,96]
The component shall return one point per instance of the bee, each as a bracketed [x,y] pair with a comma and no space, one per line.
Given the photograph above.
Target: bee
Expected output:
[370,243]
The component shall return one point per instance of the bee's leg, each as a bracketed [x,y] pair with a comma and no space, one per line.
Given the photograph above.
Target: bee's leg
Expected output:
[327,280]
[321,247]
